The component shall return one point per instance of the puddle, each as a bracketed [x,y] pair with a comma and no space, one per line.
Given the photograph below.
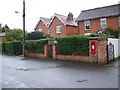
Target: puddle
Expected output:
[25,69]
[82,80]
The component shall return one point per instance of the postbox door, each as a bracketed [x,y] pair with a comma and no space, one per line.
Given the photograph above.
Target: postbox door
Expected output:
[93,47]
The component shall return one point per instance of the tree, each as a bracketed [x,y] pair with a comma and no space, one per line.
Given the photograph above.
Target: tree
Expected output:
[14,34]
[35,35]
[4,28]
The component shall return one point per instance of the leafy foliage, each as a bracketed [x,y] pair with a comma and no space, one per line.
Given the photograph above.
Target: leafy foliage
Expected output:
[4,28]
[35,36]
[35,46]
[13,48]
[73,45]
[13,35]
[111,32]
[108,32]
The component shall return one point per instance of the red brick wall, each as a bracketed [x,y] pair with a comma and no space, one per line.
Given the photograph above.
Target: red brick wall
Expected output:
[100,55]
[71,30]
[102,51]
[38,55]
[113,22]
[55,22]
[95,25]
[2,39]
[43,26]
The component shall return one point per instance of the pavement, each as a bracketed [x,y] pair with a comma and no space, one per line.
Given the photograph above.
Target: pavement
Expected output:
[48,73]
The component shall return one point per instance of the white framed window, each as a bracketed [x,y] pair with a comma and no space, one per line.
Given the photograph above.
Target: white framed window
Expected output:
[48,31]
[119,21]
[87,25]
[40,30]
[58,29]
[103,23]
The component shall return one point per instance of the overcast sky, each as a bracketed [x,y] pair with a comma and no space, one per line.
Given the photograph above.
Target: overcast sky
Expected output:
[44,8]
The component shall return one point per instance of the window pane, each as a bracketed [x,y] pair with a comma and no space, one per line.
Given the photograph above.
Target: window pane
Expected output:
[87,24]
[103,23]
[40,30]
[58,29]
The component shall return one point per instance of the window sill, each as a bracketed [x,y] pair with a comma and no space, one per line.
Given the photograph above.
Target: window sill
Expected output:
[58,32]
[87,29]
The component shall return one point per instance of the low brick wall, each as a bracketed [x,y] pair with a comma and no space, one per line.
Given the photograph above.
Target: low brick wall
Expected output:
[35,55]
[99,55]
[76,58]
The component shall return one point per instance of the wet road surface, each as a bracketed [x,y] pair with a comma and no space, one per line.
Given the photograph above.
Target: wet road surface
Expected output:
[44,73]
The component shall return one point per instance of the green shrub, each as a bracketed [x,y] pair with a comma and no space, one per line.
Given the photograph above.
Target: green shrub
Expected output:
[73,45]
[112,33]
[14,48]
[3,47]
[35,46]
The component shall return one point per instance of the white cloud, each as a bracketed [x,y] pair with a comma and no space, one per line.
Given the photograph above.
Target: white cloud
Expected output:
[44,8]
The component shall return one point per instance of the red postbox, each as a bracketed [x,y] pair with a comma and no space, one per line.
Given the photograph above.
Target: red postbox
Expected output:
[93,47]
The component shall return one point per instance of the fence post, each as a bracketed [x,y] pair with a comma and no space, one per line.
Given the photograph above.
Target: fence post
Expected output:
[54,51]
[102,51]
[46,50]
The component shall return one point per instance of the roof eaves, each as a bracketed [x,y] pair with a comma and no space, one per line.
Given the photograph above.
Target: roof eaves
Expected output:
[96,17]
[53,19]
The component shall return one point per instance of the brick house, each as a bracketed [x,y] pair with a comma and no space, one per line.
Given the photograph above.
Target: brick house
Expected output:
[58,25]
[42,26]
[93,20]
[63,25]
[2,37]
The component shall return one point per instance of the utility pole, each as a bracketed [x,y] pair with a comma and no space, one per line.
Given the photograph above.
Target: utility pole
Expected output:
[23,28]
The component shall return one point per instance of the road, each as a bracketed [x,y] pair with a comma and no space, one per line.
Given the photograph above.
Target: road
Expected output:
[48,73]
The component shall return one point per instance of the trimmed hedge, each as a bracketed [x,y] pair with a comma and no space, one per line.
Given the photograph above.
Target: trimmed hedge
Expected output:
[35,46]
[73,45]
[14,48]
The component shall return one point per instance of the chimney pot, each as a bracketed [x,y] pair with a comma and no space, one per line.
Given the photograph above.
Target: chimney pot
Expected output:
[70,17]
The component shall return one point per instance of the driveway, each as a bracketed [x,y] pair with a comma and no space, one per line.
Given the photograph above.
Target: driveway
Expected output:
[48,73]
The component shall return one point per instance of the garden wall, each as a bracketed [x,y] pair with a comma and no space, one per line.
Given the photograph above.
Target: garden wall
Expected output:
[97,52]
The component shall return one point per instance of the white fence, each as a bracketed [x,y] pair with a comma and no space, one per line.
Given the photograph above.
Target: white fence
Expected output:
[116,43]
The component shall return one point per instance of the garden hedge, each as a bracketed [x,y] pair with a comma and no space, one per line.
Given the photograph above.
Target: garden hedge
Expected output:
[73,45]
[14,47]
[35,46]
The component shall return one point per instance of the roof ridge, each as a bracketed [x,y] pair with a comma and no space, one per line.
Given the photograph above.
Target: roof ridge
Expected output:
[100,7]
[60,14]
[44,18]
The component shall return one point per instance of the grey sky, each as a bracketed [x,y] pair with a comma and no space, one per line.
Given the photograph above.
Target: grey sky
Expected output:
[44,8]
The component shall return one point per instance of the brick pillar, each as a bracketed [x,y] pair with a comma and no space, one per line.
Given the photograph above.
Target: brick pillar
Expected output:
[102,51]
[93,50]
[54,51]
[46,50]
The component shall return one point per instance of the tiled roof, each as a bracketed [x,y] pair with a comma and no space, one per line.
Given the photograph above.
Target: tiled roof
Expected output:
[64,20]
[107,11]
[46,21]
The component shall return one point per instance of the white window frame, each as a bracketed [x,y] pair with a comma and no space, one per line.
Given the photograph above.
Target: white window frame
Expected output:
[48,31]
[103,23]
[58,29]
[40,30]
[87,24]
[118,21]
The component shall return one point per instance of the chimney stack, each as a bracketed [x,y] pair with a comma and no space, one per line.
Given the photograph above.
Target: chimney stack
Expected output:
[70,17]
